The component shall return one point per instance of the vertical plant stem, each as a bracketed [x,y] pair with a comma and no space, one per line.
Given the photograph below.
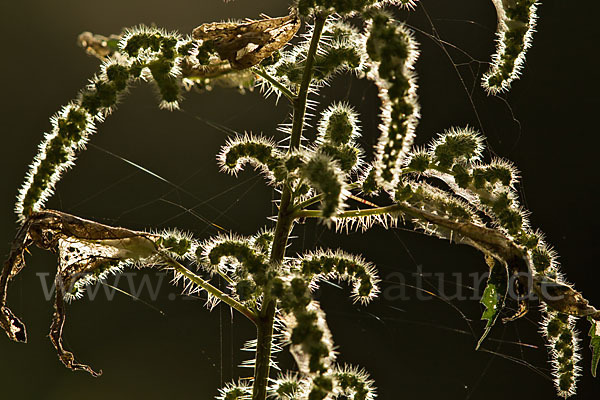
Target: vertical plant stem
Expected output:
[285,221]
[264,323]
[300,100]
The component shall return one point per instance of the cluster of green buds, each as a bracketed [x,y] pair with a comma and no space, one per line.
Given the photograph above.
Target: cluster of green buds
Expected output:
[337,133]
[347,7]
[302,170]
[342,7]
[348,382]
[324,265]
[240,390]
[392,53]
[484,194]
[309,336]
[455,157]
[563,346]
[324,167]
[516,24]
[340,50]
[243,262]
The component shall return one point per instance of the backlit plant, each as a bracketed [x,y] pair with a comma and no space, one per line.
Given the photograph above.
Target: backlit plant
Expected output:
[447,189]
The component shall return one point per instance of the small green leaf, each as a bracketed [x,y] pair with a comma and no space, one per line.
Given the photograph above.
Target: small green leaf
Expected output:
[493,297]
[594,344]
[490,301]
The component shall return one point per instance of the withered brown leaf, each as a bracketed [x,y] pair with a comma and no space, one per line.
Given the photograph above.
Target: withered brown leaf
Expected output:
[83,247]
[246,44]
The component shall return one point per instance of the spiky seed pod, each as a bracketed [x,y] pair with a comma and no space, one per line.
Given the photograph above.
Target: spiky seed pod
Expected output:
[434,200]
[321,386]
[543,259]
[71,129]
[338,125]
[340,50]
[262,241]
[342,266]
[349,157]
[495,175]
[507,211]
[342,7]
[179,244]
[456,145]
[76,287]
[104,91]
[455,158]
[419,161]
[240,390]
[353,383]
[410,4]
[258,151]
[528,239]
[563,347]
[516,24]
[336,133]
[305,323]
[324,174]
[338,57]
[287,387]
[235,255]
[155,55]
[392,51]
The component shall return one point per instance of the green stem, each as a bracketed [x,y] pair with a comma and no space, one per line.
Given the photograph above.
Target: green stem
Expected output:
[351,213]
[319,197]
[260,71]
[483,238]
[300,100]
[285,221]
[233,303]
[264,325]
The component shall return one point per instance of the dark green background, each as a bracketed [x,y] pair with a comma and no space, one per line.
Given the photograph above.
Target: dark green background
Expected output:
[417,349]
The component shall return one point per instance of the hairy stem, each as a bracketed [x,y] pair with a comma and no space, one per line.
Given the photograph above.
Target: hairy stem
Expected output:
[285,220]
[484,238]
[260,71]
[211,289]
[394,208]
[317,198]
[300,100]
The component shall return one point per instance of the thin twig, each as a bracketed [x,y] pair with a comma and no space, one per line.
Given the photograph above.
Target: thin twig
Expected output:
[209,288]
[260,71]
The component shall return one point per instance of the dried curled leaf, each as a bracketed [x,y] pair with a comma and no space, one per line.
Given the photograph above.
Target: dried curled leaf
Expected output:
[85,248]
[98,45]
[246,44]
[563,298]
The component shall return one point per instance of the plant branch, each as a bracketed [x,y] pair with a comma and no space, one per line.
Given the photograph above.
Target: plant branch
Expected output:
[319,197]
[307,74]
[487,238]
[260,71]
[351,213]
[210,288]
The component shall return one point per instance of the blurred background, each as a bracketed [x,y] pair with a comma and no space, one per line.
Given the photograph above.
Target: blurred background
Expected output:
[411,347]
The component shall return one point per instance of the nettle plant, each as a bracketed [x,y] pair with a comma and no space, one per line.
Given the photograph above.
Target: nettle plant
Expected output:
[446,189]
